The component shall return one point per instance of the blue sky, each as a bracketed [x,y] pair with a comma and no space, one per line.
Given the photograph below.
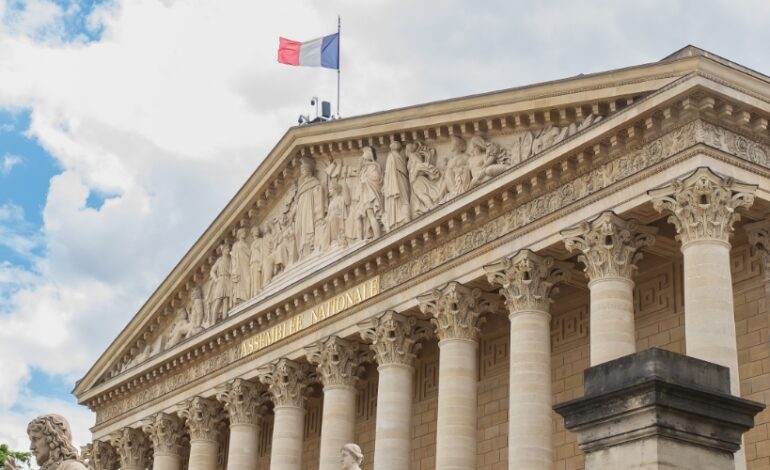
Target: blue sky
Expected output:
[126,126]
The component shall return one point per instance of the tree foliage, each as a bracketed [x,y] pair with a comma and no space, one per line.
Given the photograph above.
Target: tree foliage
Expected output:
[21,457]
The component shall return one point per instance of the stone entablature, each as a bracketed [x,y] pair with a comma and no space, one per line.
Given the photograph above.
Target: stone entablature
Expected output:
[581,169]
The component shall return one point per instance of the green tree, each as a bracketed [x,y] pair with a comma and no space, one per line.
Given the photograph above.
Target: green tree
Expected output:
[21,457]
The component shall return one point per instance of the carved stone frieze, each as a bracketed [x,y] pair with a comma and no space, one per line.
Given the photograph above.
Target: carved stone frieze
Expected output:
[703,206]
[202,418]
[527,280]
[455,310]
[102,456]
[394,337]
[339,361]
[286,381]
[243,401]
[133,448]
[166,432]
[609,245]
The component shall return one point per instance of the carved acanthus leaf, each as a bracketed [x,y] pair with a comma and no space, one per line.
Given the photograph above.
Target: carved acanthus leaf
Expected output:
[166,431]
[609,245]
[243,401]
[338,360]
[527,280]
[455,310]
[703,205]
[286,381]
[102,456]
[132,446]
[202,416]
[394,337]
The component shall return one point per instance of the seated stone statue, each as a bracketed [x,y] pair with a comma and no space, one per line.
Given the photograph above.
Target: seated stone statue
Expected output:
[351,457]
[51,443]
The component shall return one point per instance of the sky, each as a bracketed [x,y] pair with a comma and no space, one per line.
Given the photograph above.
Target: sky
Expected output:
[126,126]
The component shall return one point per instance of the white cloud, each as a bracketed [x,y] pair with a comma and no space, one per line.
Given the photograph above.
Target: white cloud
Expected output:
[9,161]
[178,102]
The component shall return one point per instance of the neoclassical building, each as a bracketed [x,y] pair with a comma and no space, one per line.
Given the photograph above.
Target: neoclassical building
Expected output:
[428,282]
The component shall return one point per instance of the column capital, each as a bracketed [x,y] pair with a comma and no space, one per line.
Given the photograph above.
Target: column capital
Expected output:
[166,432]
[455,310]
[394,337]
[286,381]
[527,280]
[243,401]
[132,446]
[703,206]
[203,416]
[338,360]
[102,456]
[609,245]
[759,239]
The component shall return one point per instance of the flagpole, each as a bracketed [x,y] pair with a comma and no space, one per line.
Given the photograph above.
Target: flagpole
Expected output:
[339,63]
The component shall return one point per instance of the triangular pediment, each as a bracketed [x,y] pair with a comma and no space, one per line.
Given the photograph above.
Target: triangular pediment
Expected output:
[328,191]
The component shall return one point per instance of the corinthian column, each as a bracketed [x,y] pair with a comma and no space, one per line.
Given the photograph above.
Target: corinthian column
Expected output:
[286,381]
[610,247]
[132,448]
[394,340]
[759,238]
[166,432]
[338,363]
[455,313]
[242,401]
[527,281]
[203,417]
[702,208]
[103,456]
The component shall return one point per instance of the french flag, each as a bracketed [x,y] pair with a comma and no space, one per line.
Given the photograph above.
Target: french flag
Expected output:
[321,52]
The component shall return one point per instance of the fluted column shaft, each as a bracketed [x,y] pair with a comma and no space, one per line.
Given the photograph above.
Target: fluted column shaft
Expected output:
[609,248]
[526,281]
[394,341]
[455,311]
[203,417]
[338,362]
[243,401]
[702,207]
[286,381]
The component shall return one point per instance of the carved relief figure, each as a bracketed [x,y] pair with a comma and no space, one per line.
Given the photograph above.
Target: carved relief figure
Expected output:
[285,253]
[180,328]
[370,196]
[337,215]
[423,177]
[268,253]
[351,457]
[311,207]
[220,289]
[457,175]
[256,251]
[241,261]
[486,160]
[51,443]
[197,311]
[396,189]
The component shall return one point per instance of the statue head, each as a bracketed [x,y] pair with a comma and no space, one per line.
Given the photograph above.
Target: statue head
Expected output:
[351,456]
[240,234]
[458,144]
[478,144]
[307,166]
[369,155]
[51,439]
[335,188]
[395,146]
[255,231]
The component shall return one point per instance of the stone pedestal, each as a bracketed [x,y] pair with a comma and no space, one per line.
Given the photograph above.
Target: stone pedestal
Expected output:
[659,410]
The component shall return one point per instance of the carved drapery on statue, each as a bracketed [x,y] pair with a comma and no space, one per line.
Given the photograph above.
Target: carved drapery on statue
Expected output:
[333,203]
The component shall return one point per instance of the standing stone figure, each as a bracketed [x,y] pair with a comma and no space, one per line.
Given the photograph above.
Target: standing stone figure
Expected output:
[51,443]
[197,311]
[255,261]
[457,175]
[311,207]
[424,178]
[370,195]
[336,218]
[396,189]
[268,253]
[241,260]
[351,457]
[220,291]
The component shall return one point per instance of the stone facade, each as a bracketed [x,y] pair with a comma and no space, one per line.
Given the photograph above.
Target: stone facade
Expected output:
[411,280]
